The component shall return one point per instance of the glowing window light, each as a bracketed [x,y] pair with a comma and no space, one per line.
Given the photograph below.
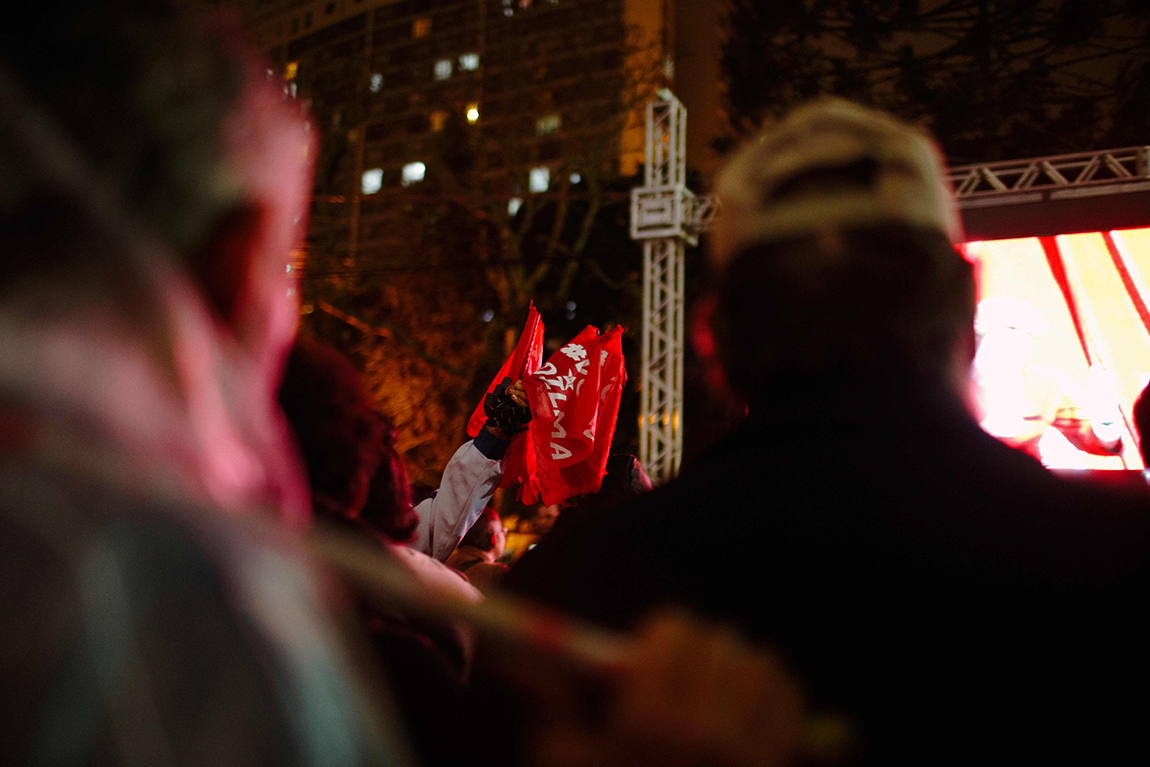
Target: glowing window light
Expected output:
[576,178]
[539,179]
[469,62]
[413,173]
[421,27]
[443,69]
[513,205]
[473,113]
[372,181]
[438,119]
[291,70]
[548,124]
[376,83]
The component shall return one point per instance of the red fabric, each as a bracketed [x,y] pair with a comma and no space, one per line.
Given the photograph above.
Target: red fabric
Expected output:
[518,463]
[523,361]
[574,402]
[612,379]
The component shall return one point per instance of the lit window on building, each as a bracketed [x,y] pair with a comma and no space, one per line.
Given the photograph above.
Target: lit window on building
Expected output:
[548,124]
[469,62]
[413,173]
[443,69]
[539,179]
[576,178]
[513,205]
[291,70]
[524,3]
[473,113]
[508,10]
[372,181]
[375,83]
[291,89]
[437,119]
[421,27]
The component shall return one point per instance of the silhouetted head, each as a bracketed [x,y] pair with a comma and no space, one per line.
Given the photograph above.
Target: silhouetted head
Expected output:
[836,259]
[339,433]
[487,533]
[348,446]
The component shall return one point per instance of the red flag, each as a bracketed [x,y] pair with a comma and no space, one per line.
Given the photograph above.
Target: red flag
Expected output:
[574,402]
[518,461]
[612,378]
[524,360]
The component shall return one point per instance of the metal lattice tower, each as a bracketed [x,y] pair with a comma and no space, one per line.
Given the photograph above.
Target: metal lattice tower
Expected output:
[666,216]
[1057,177]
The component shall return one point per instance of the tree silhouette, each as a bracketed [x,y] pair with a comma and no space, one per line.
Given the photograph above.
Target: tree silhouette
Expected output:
[992,79]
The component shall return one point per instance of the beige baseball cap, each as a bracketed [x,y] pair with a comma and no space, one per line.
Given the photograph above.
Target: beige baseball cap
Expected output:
[899,168]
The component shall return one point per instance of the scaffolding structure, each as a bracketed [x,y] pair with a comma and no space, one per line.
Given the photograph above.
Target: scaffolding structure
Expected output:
[666,217]
[1056,177]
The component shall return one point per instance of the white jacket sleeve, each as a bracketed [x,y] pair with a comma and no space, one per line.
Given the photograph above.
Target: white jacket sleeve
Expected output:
[469,482]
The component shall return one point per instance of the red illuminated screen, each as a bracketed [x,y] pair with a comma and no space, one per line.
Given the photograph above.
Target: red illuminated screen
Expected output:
[1064,344]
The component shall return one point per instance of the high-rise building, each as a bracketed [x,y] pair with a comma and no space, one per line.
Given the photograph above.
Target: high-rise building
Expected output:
[494,99]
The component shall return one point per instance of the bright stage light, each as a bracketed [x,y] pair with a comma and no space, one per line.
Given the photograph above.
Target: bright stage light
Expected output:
[1076,359]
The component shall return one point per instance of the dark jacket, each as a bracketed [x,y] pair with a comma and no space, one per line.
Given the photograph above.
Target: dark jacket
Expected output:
[950,595]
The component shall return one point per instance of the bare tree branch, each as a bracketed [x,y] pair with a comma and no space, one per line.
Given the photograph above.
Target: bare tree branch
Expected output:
[390,334]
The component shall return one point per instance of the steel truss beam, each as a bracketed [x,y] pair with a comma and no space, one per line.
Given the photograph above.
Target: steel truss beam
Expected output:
[1066,176]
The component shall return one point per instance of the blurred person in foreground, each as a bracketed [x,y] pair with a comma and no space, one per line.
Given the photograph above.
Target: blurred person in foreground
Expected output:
[152,615]
[153,612]
[944,591]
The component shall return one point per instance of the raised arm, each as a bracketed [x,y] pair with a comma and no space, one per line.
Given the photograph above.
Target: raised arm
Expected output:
[471,476]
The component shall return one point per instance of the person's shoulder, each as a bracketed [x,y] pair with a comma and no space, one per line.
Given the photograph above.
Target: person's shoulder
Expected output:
[435,575]
[215,610]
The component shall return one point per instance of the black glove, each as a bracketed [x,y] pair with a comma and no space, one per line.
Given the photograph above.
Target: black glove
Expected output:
[503,413]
